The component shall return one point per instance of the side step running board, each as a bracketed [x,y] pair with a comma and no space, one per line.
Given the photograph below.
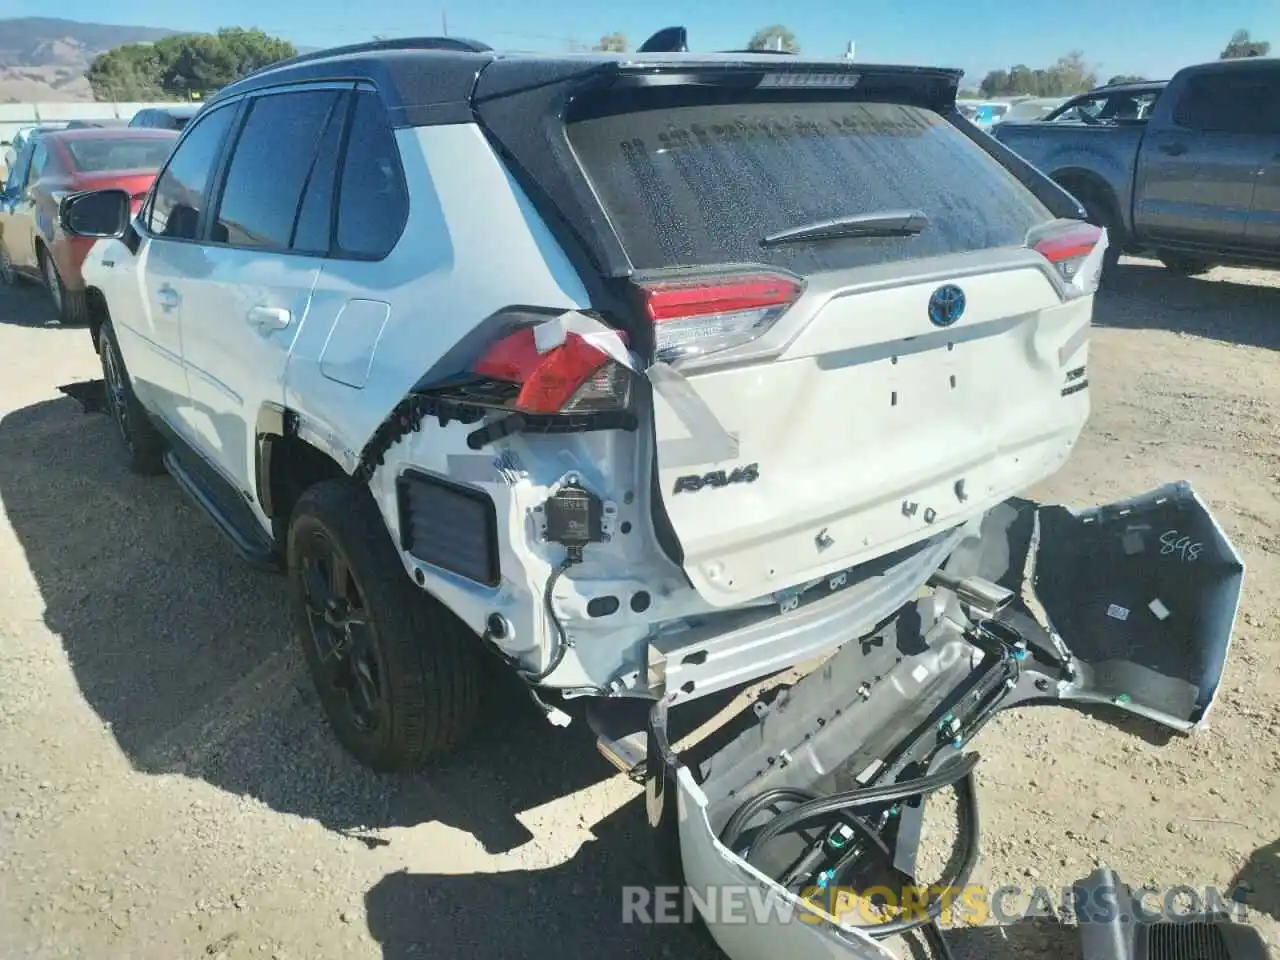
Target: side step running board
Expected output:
[253,548]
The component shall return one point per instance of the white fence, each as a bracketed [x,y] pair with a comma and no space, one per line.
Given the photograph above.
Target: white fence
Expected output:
[14,116]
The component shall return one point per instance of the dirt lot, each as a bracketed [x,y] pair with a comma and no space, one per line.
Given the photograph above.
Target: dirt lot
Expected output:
[168,788]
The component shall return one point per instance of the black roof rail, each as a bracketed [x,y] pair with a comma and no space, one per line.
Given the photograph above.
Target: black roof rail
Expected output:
[451,44]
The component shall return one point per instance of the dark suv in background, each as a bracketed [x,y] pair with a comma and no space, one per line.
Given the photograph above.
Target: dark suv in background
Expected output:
[165,118]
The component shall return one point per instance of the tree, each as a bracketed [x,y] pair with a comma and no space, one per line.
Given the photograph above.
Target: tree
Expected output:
[1072,74]
[184,66]
[776,37]
[994,83]
[612,42]
[1242,45]
[131,72]
[1069,74]
[1125,78]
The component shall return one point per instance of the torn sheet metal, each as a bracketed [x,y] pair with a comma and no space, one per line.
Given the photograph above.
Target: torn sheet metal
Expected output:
[707,442]
[1090,272]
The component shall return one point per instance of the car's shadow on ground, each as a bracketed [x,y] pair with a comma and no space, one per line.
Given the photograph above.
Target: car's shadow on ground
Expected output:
[1142,294]
[26,304]
[576,909]
[1260,877]
[183,651]
[583,908]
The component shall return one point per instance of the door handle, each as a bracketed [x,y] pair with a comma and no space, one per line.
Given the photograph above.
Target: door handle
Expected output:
[269,318]
[168,297]
[1173,149]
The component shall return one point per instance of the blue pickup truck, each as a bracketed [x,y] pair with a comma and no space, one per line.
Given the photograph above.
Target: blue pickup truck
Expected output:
[1192,177]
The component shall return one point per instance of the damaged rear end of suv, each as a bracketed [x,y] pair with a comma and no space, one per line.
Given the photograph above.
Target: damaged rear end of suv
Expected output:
[830,336]
[686,369]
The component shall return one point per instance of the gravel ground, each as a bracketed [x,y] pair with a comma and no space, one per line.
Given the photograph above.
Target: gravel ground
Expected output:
[168,788]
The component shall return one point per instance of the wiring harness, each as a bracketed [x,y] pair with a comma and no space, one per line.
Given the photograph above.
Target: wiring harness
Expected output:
[836,853]
[845,838]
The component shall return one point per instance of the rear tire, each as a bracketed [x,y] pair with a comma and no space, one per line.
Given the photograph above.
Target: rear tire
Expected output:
[1100,213]
[398,676]
[72,305]
[142,443]
[1185,265]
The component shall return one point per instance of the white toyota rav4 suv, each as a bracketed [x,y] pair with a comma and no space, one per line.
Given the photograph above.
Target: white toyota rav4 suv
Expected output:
[655,374]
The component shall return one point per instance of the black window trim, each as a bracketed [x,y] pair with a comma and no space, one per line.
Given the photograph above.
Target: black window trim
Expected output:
[336,252]
[223,167]
[236,106]
[218,177]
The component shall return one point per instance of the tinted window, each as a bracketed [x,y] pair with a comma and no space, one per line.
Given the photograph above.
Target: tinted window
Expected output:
[141,119]
[96,156]
[1227,102]
[372,200]
[182,191]
[313,232]
[269,167]
[703,185]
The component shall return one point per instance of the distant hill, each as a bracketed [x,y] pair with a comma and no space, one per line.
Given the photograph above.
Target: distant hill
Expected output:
[45,59]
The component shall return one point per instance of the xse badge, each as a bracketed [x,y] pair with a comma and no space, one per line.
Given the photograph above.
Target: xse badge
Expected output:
[717,478]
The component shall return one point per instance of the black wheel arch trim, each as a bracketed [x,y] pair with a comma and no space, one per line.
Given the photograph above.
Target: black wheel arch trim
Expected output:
[275,422]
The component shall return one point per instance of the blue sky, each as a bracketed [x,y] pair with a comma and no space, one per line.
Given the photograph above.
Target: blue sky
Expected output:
[1148,37]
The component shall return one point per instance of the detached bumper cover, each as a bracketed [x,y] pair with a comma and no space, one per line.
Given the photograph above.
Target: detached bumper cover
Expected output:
[1130,604]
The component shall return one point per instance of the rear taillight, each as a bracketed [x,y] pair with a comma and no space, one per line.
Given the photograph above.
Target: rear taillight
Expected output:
[546,367]
[571,377]
[693,318]
[1076,251]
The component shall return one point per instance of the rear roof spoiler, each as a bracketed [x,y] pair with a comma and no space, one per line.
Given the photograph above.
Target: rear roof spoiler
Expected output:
[931,87]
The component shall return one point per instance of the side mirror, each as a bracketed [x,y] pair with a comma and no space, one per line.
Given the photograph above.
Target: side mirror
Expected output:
[96,213]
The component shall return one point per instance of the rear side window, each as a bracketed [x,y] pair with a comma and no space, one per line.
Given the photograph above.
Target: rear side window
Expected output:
[702,185]
[373,202]
[1228,102]
[182,192]
[270,167]
[100,156]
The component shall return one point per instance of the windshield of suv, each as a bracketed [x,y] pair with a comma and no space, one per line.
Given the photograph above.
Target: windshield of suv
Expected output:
[702,185]
[99,156]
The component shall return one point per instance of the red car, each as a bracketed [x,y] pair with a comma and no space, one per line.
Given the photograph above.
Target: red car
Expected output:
[51,166]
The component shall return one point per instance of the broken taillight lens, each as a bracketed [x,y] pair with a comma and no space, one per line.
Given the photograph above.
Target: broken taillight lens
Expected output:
[1076,251]
[573,376]
[542,368]
[696,317]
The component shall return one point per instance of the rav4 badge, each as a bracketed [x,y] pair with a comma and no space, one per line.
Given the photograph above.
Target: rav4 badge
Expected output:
[717,478]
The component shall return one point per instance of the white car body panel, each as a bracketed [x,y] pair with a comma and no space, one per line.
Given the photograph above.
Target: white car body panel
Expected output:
[869,409]
[466,214]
